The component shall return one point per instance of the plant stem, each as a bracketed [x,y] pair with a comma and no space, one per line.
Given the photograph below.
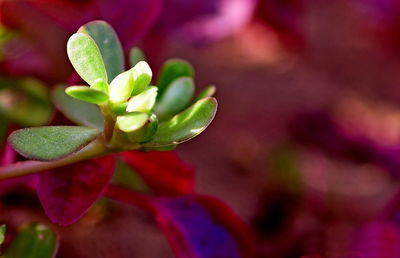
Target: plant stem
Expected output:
[94,149]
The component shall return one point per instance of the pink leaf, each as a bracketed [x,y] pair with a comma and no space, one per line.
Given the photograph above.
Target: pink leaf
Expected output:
[66,193]
[164,172]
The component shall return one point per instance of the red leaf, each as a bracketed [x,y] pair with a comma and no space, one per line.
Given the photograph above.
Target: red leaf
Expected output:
[132,19]
[66,193]
[44,40]
[164,172]
[44,26]
[196,226]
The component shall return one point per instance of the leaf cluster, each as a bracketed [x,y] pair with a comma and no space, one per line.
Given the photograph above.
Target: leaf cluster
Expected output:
[123,108]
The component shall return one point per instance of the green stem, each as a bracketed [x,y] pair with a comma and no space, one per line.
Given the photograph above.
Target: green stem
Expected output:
[94,149]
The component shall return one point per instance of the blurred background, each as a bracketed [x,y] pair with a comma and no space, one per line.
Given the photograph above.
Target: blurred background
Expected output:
[305,144]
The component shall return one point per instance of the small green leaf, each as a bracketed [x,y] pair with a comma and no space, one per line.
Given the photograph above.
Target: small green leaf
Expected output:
[144,101]
[132,121]
[176,97]
[77,111]
[85,57]
[87,94]
[110,48]
[100,85]
[121,87]
[26,102]
[171,70]
[51,142]
[186,124]
[33,241]
[146,132]
[125,176]
[118,108]
[207,92]
[141,76]
[135,56]
[2,233]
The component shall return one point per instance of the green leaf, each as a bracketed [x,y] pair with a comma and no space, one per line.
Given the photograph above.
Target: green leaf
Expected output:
[135,56]
[121,87]
[175,98]
[85,57]
[87,94]
[108,43]
[33,241]
[160,148]
[51,142]
[144,101]
[100,85]
[186,124]
[77,111]
[26,102]
[141,76]
[146,132]
[2,233]
[132,121]
[207,92]
[170,71]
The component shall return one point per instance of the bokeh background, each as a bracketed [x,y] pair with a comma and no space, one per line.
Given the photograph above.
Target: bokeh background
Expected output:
[305,144]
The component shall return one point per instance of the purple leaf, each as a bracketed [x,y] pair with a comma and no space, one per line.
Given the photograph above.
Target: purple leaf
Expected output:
[164,172]
[202,227]
[196,226]
[66,193]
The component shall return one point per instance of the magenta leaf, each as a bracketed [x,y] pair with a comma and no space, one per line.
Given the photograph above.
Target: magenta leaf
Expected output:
[376,239]
[66,193]
[163,172]
[8,156]
[196,226]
